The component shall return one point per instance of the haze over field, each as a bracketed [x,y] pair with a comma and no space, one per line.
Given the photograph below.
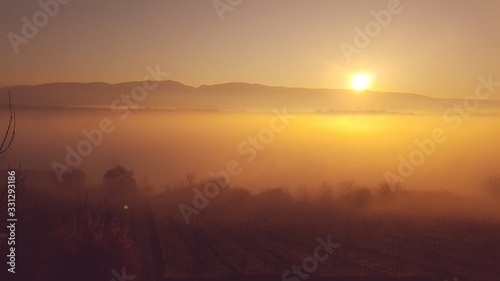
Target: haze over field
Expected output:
[165,146]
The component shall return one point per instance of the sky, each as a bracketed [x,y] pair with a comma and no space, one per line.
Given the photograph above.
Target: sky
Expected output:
[436,48]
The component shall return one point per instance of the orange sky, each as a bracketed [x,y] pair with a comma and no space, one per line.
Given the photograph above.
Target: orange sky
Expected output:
[437,48]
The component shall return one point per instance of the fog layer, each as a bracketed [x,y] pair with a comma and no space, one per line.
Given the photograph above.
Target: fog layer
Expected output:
[271,150]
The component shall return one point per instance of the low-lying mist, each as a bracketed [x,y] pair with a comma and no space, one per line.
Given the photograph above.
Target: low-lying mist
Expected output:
[269,150]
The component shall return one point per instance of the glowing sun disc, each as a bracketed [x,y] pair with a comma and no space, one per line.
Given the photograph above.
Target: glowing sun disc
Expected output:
[360,82]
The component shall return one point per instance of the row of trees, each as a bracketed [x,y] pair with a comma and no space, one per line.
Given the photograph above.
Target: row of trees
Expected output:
[120,179]
[116,179]
[347,191]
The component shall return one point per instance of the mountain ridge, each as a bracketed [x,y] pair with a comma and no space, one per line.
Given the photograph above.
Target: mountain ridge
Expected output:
[226,96]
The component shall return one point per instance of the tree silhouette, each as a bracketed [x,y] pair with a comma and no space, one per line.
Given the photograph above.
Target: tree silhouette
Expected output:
[119,178]
[492,186]
[325,192]
[303,194]
[7,140]
[8,137]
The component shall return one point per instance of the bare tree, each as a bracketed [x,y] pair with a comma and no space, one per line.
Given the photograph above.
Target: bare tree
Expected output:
[344,188]
[8,137]
[190,181]
[492,185]
[303,194]
[6,143]
[146,185]
[325,192]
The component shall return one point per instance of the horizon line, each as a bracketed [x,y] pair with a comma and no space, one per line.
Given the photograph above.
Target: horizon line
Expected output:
[6,85]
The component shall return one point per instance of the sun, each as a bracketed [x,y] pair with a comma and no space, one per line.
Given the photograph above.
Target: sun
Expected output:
[360,82]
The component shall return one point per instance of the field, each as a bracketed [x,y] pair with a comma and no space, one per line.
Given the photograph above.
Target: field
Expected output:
[242,234]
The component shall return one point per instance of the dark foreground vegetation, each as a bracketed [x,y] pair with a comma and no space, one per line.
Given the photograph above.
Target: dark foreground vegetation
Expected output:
[120,231]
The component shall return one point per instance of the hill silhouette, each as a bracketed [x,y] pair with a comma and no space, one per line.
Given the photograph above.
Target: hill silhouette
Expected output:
[232,96]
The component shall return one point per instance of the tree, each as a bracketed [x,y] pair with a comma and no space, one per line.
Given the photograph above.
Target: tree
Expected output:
[146,186]
[191,181]
[119,178]
[492,186]
[6,143]
[303,194]
[345,187]
[325,192]
[8,137]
